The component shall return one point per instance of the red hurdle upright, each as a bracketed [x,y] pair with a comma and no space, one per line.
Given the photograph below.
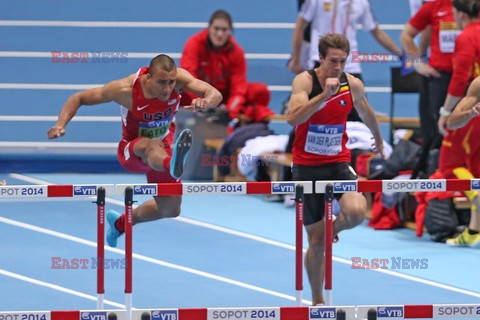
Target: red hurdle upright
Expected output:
[100,246]
[328,243]
[128,251]
[299,203]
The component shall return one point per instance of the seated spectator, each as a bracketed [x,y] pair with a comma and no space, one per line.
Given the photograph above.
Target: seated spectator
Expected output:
[214,56]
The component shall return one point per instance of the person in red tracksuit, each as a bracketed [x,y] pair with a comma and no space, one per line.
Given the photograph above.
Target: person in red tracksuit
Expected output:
[460,157]
[460,153]
[213,55]
[466,58]
[437,72]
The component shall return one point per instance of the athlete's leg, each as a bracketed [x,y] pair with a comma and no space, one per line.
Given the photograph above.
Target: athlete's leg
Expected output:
[157,208]
[152,153]
[314,260]
[354,206]
[464,173]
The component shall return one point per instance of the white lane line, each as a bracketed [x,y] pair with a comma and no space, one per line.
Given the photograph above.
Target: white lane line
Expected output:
[132,55]
[54,118]
[59,145]
[158,24]
[57,86]
[148,259]
[57,287]
[138,24]
[286,246]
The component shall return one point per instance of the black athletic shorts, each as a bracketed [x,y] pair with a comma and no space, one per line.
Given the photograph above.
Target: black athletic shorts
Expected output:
[314,207]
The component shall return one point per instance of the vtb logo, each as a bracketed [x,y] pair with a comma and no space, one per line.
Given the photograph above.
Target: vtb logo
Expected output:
[344,186]
[283,187]
[145,190]
[84,190]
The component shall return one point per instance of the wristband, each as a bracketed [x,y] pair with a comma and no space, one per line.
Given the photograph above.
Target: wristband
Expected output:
[444,112]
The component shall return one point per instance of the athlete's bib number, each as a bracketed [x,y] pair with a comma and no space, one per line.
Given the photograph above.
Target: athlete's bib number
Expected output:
[325,140]
[448,33]
[154,129]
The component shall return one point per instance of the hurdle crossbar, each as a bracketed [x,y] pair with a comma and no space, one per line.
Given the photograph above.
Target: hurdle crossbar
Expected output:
[86,191]
[420,185]
[54,192]
[429,311]
[208,188]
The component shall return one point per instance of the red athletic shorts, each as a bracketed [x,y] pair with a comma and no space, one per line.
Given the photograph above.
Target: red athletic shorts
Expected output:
[132,163]
[461,148]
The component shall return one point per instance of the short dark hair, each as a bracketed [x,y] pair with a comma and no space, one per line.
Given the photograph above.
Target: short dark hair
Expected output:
[470,7]
[333,41]
[221,14]
[162,62]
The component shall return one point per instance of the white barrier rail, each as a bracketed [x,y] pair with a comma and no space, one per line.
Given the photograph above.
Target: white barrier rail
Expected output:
[395,312]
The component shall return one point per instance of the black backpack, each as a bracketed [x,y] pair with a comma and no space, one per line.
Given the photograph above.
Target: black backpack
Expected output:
[441,219]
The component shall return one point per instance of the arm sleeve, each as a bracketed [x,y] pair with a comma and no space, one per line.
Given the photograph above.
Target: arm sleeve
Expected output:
[308,10]
[367,20]
[238,82]
[463,62]
[190,56]
[423,17]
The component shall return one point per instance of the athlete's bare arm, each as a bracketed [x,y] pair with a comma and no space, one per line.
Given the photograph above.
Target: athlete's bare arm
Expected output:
[467,108]
[211,97]
[365,111]
[119,91]
[294,64]
[301,108]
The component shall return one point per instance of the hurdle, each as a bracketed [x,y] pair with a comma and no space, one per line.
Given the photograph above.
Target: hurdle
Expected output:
[345,186]
[81,192]
[230,188]
[85,192]
[450,311]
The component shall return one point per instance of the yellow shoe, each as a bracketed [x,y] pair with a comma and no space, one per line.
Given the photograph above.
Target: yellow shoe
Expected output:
[465,239]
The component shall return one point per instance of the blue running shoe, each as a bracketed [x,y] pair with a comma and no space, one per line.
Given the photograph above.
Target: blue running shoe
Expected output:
[180,152]
[112,233]
[336,211]
[336,208]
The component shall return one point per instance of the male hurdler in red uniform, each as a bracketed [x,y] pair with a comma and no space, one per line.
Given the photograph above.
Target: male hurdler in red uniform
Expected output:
[150,98]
